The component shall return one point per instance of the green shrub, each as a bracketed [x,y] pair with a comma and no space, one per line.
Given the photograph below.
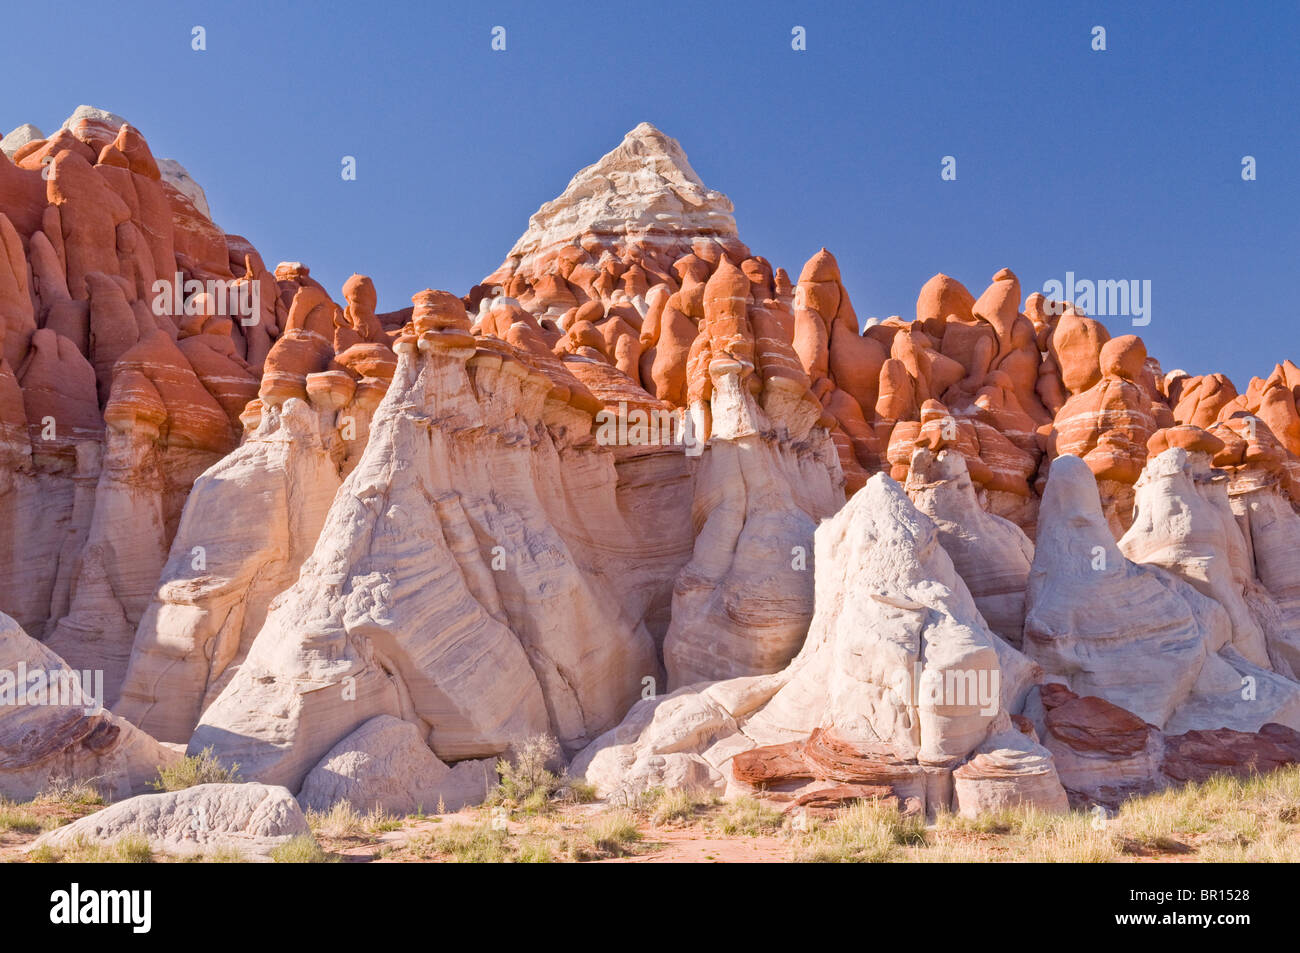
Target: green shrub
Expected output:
[201,768]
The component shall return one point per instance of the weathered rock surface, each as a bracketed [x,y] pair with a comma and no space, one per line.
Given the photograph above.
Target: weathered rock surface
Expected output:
[1105,754]
[252,819]
[992,555]
[386,765]
[53,727]
[599,473]
[442,597]
[1137,634]
[221,574]
[897,657]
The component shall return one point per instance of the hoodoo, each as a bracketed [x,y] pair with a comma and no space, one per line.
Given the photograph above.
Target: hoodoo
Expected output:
[982,557]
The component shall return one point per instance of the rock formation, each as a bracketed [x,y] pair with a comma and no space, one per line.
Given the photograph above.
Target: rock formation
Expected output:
[638,489]
[53,726]
[899,670]
[248,819]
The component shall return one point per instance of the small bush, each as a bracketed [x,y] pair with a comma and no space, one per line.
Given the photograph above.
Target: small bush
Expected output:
[201,768]
[127,849]
[527,782]
[676,805]
[576,791]
[341,820]
[479,844]
[132,849]
[378,821]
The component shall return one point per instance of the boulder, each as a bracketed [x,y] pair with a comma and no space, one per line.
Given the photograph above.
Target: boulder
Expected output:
[252,819]
[386,765]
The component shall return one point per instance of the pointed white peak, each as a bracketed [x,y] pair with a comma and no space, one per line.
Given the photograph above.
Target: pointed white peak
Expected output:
[19,137]
[645,186]
[110,120]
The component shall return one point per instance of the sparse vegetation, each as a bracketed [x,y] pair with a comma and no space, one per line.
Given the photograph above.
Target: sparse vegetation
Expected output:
[15,817]
[613,834]
[465,844]
[1224,819]
[870,832]
[201,768]
[80,792]
[302,849]
[341,820]
[749,816]
[578,792]
[527,781]
[676,806]
[127,849]
[529,786]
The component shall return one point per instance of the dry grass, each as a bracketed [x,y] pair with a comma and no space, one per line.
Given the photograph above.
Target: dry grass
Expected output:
[302,849]
[19,818]
[749,817]
[343,821]
[71,792]
[535,840]
[1224,819]
[864,832]
[127,849]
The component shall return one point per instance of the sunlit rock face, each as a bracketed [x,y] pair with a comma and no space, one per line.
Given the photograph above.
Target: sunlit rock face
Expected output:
[640,489]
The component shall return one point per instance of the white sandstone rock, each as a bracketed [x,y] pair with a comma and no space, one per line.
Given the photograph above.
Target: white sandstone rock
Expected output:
[1135,635]
[991,554]
[896,654]
[223,572]
[253,819]
[1184,523]
[176,175]
[643,187]
[18,137]
[442,591]
[62,734]
[385,764]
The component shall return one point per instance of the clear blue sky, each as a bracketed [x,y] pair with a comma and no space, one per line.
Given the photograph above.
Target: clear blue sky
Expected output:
[1117,164]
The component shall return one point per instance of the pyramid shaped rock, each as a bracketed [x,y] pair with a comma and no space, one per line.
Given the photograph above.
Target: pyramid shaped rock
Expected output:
[461,610]
[898,669]
[645,187]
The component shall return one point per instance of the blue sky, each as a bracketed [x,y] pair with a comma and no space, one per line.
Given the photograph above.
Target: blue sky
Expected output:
[1123,164]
